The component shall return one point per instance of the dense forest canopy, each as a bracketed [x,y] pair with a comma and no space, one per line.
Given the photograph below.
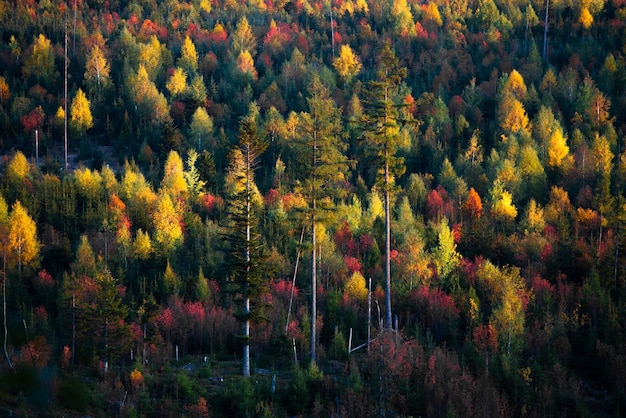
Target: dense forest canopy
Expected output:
[192,189]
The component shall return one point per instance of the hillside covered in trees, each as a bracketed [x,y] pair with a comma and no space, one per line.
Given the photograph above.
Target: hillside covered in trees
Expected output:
[197,197]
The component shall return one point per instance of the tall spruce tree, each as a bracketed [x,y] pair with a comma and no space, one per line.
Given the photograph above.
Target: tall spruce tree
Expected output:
[245,242]
[322,168]
[381,126]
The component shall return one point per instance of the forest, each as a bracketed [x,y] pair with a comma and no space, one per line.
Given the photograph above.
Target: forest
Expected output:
[346,208]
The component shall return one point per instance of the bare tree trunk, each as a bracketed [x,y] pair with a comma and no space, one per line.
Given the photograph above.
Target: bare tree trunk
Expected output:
[313,290]
[4,307]
[67,59]
[246,305]
[388,320]
[545,32]
[246,344]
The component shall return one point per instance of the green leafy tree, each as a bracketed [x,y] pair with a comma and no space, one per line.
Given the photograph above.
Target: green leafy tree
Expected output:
[246,267]
[201,126]
[243,39]
[107,316]
[40,61]
[322,167]
[445,256]
[381,124]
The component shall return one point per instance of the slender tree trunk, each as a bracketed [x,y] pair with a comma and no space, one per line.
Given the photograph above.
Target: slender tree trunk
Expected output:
[246,344]
[246,306]
[388,321]
[545,32]
[313,289]
[66,110]
[4,307]
[73,326]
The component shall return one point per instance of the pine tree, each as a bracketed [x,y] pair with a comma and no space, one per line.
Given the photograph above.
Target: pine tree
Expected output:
[381,124]
[246,252]
[322,168]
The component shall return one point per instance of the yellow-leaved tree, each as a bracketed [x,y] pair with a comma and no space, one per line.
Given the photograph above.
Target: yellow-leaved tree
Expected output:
[177,84]
[23,245]
[558,151]
[80,113]
[168,233]
[188,56]
[5,91]
[174,182]
[502,206]
[355,287]
[20,247]
[97,71]
[347,64]
[586,18]
[245,63]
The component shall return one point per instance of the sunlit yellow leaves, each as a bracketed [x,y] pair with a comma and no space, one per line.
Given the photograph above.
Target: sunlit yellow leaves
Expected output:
[361,6]
[88,182]
[168,233]
[245,64]
[5,92]
[85,261]
[142,246]
[414,261]
[4,213]
[97,69]
[170,278]
[177,84]
[18,167]
[506,290]
[512,115]
[432,13]
[150,57]
[502,206]
[355,287]
[603,157]
[80,112]
[376,208]
[548,81]
[174,179]
[40,62]
[586,215]
[515,85]
[188,56]
[445,256]
[473,205]
[152,104]
[201,126]
[558,206]
[585,19]
[22,244]
[404,24]
[558,151]
[60,115]
[347,64]
[243,39]
[236,182]
[534,220]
